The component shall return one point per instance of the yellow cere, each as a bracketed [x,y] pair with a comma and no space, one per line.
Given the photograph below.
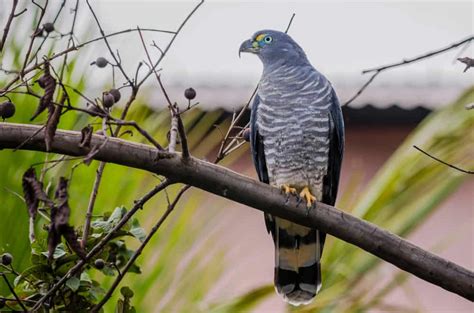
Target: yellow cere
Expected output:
[259,37]
[255,44]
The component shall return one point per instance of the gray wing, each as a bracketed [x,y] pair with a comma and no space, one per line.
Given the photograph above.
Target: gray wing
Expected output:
[258,155]
[336,151]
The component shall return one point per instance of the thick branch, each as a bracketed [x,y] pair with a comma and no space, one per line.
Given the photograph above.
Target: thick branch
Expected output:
[233,186]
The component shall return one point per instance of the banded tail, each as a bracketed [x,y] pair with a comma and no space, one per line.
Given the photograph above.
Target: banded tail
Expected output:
[297,261]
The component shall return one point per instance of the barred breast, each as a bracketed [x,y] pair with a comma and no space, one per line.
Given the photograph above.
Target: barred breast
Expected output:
[293,119]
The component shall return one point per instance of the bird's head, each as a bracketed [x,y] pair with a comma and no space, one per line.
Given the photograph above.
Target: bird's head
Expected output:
[273,46]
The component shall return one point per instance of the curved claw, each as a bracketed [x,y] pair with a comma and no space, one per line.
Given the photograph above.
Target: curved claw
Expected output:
[308,197]
[288,190]
[309,208]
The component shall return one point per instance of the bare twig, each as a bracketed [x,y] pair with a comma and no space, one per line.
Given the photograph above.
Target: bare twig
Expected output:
[421,57]
[361,90]
[8,24]
[106,41]
[13,292]
[165,51]
[289,23]
[33,37]
[90,206]
[95,189]
[139,129]
[443,162]
[70,42]
[173,133]
[183,138]
[468,61]
[137,252]
[378,70]
[233,124]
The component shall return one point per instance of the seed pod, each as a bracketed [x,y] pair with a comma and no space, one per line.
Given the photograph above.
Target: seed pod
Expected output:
[7,259]
[99,264]
[108,99]
[116,94]
[246,134]
[100,62]
[190,93]
[48,27]
[7,109]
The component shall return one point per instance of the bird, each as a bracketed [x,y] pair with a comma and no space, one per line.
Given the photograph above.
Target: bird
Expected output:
[297,145]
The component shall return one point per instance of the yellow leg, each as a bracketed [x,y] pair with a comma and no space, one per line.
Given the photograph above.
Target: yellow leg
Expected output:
[308,197]
[288,190]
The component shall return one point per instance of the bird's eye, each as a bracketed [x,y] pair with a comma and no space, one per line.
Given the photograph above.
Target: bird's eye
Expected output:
[268,39]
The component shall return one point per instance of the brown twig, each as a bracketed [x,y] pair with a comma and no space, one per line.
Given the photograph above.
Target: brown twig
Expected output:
[34,36]
[95,189]
[361,90]
[118,63]
[137,252]
[139,129]
[378,70]
[183,138]
[176,121]
[58,13]
[8,24]
[70,41]
[468,61]
[235,120]
[421,57]
[289,23]
[173,134]
[165,51]
[90,206]
[443,162]
[13,292]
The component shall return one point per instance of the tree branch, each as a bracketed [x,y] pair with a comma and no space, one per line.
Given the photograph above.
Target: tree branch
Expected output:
[226,183]
[378,70]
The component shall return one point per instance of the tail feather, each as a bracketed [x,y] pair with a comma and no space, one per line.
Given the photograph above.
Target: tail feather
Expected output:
[297,262]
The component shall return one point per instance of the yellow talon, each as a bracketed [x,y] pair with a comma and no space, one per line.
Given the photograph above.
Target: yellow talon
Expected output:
[308,197]
[288,190]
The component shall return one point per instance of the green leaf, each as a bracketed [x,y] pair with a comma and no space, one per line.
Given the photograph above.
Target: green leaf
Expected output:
[73,283]
[85,277]
[137,231]
[58,252]
[126,292]
[113,220]
[35,272]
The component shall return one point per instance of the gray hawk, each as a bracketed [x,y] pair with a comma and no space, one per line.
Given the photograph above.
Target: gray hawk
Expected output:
[297,143]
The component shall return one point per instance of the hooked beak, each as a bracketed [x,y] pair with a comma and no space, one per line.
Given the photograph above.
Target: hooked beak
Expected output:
[247,46]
